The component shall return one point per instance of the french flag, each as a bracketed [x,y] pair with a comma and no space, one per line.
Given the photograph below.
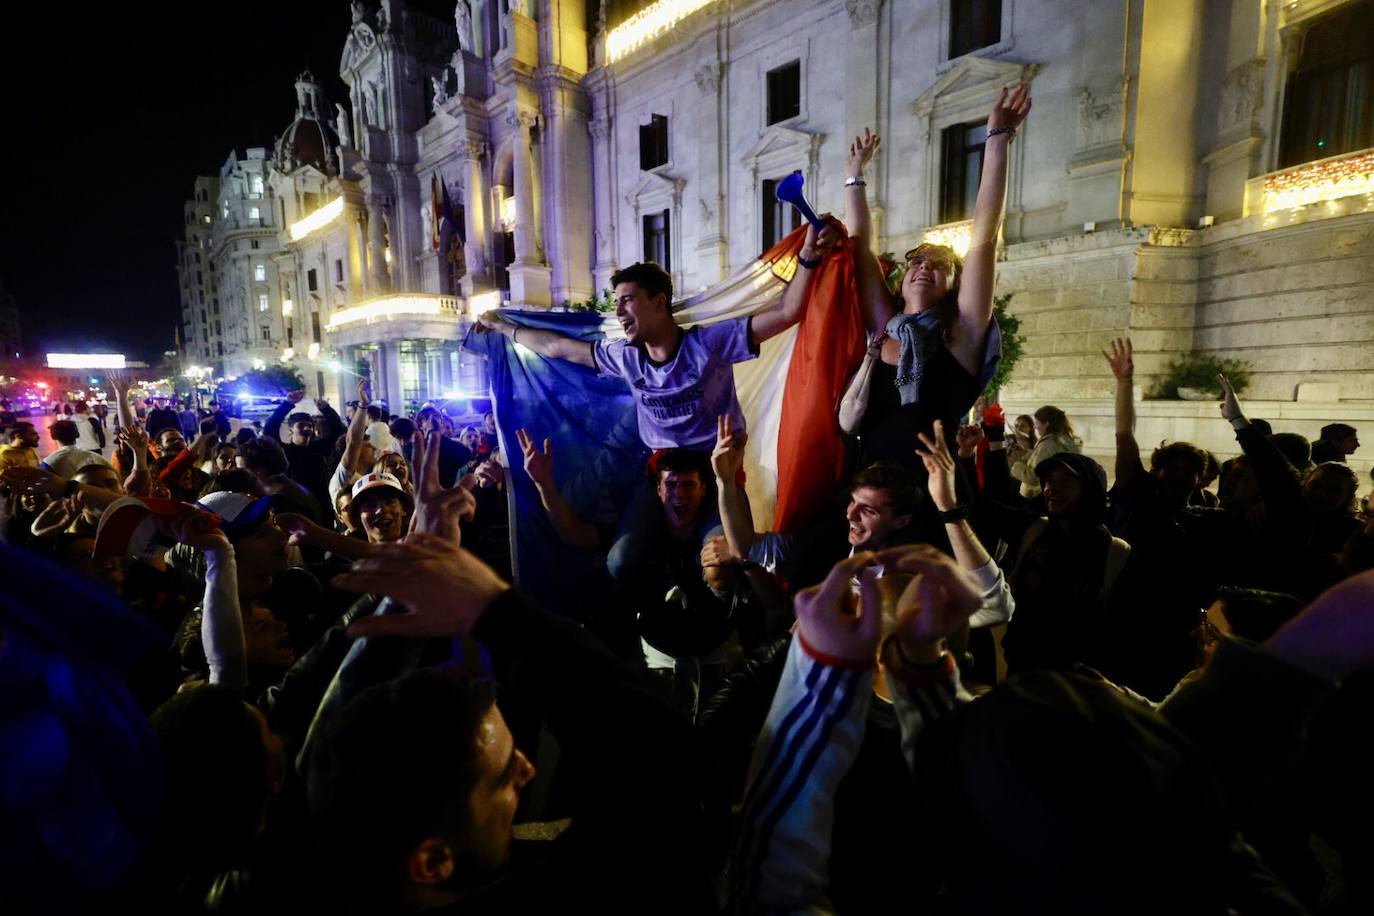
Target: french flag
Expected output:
[789,394]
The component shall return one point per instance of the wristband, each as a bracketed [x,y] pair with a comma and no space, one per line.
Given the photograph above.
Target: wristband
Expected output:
[855,183]
[1239,423]
[1009,131]
[809,265]
[957,514]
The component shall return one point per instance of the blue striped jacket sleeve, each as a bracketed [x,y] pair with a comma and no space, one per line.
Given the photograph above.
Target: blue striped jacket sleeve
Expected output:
[808,744]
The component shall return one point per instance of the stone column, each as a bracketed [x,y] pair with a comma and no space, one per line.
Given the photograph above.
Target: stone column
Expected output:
[526,245]
[363,275]
[376,258]
[389,359]
[474,218]
[567,197]
[864,84]
[713,255]
[530,278]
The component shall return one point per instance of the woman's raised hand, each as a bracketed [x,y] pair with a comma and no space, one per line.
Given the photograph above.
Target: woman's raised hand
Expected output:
[1011,109]
[861,153]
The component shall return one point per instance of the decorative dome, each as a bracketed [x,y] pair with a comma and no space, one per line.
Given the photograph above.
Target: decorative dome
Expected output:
[309,140]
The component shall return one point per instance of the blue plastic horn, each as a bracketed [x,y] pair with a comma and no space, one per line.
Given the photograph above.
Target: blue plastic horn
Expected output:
[790,192]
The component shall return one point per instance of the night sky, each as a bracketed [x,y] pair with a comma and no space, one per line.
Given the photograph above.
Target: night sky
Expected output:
[109,112]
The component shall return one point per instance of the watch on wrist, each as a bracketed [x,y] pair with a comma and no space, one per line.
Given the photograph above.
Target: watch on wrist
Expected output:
[811,264]
[855,183]
[957,514]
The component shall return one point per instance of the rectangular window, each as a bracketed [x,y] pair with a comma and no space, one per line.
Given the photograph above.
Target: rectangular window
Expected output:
[266,334]
[203,316]
[259,272]
[219,348]
[218,329]
[338,270]
[254,213]
[310,282]
[197,257]
[200,278]
[960,169]
[256,186]
[253,244]
[410,362]
[656,239]
[653,143]
[315,326]
[973,24]
[784,92]
[1328,107]
[214,306]
[262,302]
[778,218]
[207,219]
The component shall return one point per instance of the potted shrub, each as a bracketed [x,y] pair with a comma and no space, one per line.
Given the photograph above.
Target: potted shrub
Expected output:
[1193,377]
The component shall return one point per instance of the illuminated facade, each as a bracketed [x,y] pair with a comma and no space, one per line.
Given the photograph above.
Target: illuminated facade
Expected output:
[1179,180]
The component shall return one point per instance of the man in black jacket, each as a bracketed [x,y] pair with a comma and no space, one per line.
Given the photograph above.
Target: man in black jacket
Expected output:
[310,443]
[421,817]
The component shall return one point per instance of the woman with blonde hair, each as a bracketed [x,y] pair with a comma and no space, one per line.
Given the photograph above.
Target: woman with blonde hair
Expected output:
[1054,434]
[940,345]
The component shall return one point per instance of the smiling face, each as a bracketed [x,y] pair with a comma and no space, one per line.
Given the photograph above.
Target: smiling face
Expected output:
[642,317]
[872,518]
[931,270]
[382,514]
[1063,491]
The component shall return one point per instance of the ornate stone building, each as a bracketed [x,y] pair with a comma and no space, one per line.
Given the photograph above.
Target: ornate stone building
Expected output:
[1199,175]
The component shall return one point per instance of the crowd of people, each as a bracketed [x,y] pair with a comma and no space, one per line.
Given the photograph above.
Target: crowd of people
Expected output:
[288,670]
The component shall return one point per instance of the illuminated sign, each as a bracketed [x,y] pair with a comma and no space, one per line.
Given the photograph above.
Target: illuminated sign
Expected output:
[390,306]
[648,24]
[86,361]
[321,217]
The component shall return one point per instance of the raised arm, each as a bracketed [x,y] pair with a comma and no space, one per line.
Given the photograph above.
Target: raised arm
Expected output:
[1128,463]
[120,383]
[975,288]
[789,309]
[545,343]
[811,739]
[876,302]
[539,465]
[330,419]
[996,599]
[221,622]
[726,461]
[136,438]
[357,433]
[272,427]
[1278,480]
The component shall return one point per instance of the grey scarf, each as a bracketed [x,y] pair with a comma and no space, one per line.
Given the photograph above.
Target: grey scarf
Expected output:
[920,338]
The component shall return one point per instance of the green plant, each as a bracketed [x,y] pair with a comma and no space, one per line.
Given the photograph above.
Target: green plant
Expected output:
[1013,345]
[604,302]
[1200,370]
